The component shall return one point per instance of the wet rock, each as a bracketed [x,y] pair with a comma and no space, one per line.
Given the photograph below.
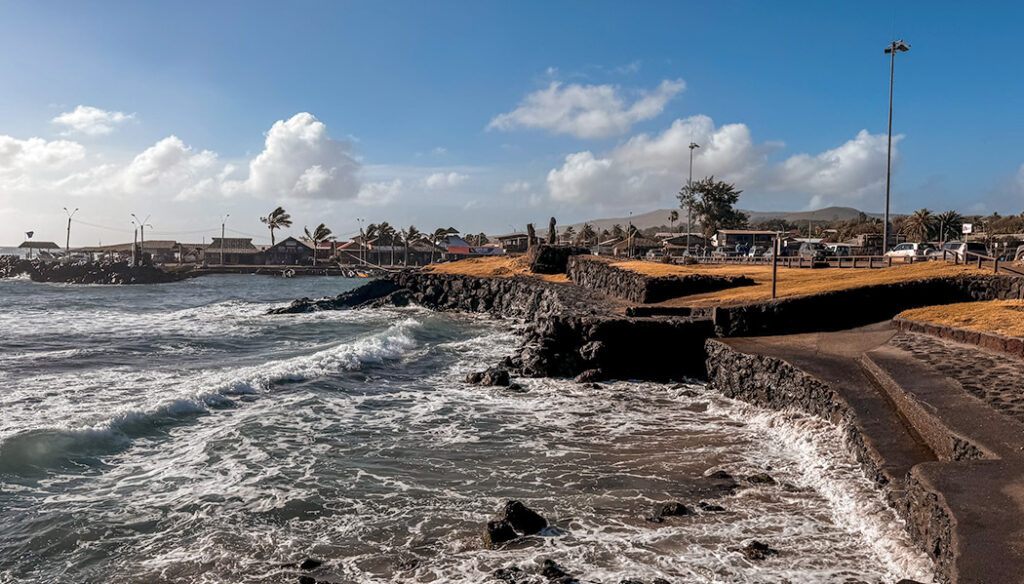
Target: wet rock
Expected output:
[756,550]
[307,580]
[310,564]
[908,581]
[709,508]
[475,378]
[523,519]
[498,532]
[672,509]
[716,484]
[493,376]
[515,387]
[511,575]
[365,295]
[588,376]
[556,573]
[760,478]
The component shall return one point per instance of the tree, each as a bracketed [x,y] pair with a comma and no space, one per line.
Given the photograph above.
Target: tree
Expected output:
[440,234]
[386,234]
[569,234]
[713,206]
[410,236]
[673,216]
[948,224]
[586,234]
[919,226]
[277,219]
[617,231]
[321,233]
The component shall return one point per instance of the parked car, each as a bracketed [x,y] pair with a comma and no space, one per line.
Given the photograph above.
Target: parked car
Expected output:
[722,252]
[813,252]
[907,250]
[757,251]
[655,254]
[1018,256]
[841,250]
[959,248]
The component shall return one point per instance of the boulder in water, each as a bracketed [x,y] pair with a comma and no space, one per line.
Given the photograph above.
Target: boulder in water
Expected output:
[511,575]
[672,509]
[498,532]
[756,550]
[556,573]
[493,376]
[523,519]
[761,478]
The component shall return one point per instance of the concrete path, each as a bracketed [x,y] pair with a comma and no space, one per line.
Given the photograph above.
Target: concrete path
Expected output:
[929,435]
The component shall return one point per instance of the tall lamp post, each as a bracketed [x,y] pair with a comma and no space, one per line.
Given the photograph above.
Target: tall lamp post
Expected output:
[891,50]
[689,195]
[142,230]
[223,222]
[67,242]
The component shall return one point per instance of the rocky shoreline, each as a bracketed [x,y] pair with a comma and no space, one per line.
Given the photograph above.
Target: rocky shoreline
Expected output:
[87,272]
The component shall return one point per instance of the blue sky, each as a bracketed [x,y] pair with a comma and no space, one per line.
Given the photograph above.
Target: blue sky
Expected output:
[487,115]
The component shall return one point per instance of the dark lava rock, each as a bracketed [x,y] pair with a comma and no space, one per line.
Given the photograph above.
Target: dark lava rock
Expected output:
[364,295]
[523,519]
[555,573]
[498,532]
[709,508]
[552,259]
[307,580]
[512,574]
[490,377]
[672,509]
[908,581]
[761,478]
[310,564]
[757,550]
[716,484]
[589,376]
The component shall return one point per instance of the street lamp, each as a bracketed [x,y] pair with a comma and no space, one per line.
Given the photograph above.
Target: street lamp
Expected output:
[67,243]
[223,222]
[141,224]
[891,50]
[689,195]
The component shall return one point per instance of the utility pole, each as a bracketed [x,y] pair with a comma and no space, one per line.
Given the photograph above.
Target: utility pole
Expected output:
[224,221]
[135,243]
[689,195]
[891,50]
[777,245]
[67,242]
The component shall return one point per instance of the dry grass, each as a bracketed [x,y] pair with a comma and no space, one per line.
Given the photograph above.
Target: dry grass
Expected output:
[497,267]
[1005,317]
[792,281]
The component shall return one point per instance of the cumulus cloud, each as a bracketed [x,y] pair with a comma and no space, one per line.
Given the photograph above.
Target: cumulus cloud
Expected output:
[517,186]
[650,169]
[379,193]
[300,160]
[91,121]
[36,153]
[444,180]
[586,111]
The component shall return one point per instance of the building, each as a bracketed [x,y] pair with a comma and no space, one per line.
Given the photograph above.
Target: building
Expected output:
[289,252]
[729,238]
[514,242]
[457,248]
[237,251]
[160,251]
[638,245]
[676,244]
[41,249]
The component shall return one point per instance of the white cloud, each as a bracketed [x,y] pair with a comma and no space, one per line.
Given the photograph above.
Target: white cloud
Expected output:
[379,193]
[650,169]
[300,160]
[37,154]
[444,180]
[586,111]
[91,121]
[518,186]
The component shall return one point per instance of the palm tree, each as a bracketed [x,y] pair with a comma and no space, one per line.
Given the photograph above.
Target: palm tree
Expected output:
[386,235]
[410,235]
[321,233]
[587,233]
[673,216]
[948,224]
[440,234]
[277,219]
[919,226]
[617,231]
[568,234]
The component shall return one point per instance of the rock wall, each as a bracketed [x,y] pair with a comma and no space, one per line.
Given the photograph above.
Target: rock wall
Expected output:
[854,307]
[570,330]
[87,272]
[986,340]
[552,259]
[599,274]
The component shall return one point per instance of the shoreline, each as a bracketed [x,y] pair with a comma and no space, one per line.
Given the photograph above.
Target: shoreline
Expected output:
[581,333]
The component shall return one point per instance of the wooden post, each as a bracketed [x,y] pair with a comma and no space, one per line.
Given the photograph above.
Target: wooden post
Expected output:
[890,261]
[775,265]
[995,265]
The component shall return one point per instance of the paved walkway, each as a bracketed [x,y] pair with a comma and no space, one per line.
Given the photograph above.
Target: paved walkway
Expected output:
[944,416]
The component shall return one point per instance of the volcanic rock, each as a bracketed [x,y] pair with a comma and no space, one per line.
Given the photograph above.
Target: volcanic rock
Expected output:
[756,550]
[523,519]
[498,532]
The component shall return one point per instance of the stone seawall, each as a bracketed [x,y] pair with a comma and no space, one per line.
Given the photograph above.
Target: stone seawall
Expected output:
[599,274]
[854,307]
[987,340]
[570,330]
[87,272]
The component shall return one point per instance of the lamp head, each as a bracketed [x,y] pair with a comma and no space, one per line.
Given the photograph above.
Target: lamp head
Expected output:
[694,145]
[899,45]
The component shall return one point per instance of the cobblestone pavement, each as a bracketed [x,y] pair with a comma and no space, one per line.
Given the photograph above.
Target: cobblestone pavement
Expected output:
[996,378]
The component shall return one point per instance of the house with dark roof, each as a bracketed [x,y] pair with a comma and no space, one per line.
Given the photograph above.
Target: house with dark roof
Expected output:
[289,252]
[232,251]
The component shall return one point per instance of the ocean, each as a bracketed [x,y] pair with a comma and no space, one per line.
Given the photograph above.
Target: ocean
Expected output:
[176,433]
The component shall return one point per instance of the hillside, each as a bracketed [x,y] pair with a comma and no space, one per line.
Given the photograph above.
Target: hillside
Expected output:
[660,217]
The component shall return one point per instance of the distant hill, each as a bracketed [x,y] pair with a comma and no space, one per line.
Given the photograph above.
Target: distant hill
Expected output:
[660,217]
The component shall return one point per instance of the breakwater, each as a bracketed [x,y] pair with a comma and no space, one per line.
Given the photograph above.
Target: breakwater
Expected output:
[87,272]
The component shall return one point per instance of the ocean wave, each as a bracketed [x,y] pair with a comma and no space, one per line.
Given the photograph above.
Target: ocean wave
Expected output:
[48,447]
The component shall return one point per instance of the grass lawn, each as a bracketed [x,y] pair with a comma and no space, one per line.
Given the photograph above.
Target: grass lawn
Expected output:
[497,267]
[1005,317]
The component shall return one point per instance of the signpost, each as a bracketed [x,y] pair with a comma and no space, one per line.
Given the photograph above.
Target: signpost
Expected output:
[968,228]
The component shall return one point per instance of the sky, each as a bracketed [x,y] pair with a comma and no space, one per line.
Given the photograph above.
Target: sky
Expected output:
[488,115]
